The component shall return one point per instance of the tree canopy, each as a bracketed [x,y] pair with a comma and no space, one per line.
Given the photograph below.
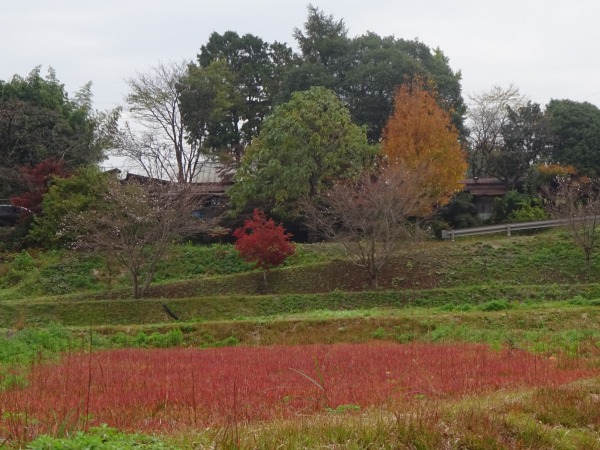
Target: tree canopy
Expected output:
[366,70]
[255,76]
[304,146]
[420,137]
[38,121]
[231,89]
[526,140]
[576,130]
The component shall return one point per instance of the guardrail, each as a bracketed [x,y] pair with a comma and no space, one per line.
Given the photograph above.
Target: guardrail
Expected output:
[504,228]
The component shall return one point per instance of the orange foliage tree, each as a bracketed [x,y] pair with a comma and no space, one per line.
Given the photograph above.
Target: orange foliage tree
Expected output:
[419,137]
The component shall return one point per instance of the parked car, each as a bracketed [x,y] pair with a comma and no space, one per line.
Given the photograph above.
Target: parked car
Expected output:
[11,215]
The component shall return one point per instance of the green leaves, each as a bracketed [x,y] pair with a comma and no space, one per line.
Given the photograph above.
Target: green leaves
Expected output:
[304,146]
[576,126]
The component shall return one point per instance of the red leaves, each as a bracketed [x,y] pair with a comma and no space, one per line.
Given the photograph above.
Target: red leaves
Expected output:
[38,180]
[260,240]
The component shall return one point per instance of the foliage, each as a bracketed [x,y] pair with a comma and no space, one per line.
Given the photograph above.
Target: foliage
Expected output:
[207,97]
[136,225]
[460,212]
[194,387]
[261,241]
[99,438]
[21,264]
[231,89]
[39,121]
[38,179]
[518,207]
[576,128]
[303,147]
[527,140]
[366,70]
[419,137]
[24,346]
[67,196]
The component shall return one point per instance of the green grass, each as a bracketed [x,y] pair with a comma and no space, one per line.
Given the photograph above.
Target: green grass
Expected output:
[527,292]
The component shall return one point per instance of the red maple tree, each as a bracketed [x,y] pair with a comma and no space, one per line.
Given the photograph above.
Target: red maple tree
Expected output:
[262,241]
[37,179]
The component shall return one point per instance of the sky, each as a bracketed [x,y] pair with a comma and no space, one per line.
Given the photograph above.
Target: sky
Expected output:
[549,49]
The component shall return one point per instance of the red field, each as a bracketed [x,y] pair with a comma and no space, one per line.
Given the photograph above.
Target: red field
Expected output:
[165,390]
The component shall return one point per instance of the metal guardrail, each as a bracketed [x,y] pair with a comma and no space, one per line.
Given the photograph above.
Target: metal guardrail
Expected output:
[504,228]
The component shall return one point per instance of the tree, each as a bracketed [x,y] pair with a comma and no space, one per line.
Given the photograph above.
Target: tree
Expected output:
[38,179]
[65,196]
[370,215]
[304,146]
[576,130]
[487,113]
[261,241]
[233,85]
[526,140]
[419,137]
[577,203]
[136,225]
[460,212]
[162,148]
[207,96]
[366,70]
[39,121]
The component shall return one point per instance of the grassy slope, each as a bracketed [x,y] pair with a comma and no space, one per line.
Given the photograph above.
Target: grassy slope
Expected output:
[528,291]
[433,291]
[212,284]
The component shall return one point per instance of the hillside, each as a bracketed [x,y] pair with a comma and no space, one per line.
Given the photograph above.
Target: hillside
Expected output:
[528,299]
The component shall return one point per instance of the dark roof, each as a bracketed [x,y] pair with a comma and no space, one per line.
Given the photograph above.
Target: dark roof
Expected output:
[485,187]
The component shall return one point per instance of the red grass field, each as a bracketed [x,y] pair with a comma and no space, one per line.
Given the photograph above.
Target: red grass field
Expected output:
[166,390]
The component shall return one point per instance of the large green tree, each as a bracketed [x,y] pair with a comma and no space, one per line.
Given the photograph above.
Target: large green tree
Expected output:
[38,121]
[231,89]
[303,147]
[365,71]
[576,128]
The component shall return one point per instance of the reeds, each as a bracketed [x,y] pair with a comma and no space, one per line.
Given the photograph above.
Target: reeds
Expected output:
[176,389]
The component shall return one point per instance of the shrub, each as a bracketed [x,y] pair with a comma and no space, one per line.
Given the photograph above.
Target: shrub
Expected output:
[263,242]
[99,438]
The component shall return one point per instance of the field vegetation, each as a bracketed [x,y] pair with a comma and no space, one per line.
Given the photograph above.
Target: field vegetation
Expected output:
[484,343]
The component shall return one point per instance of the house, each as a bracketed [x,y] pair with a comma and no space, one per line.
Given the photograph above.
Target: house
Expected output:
[484,191]
[211,195]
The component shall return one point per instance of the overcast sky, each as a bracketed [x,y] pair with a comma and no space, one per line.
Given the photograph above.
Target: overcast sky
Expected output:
[548,48]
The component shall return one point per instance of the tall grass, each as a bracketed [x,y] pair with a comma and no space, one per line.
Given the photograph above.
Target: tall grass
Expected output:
[169,390]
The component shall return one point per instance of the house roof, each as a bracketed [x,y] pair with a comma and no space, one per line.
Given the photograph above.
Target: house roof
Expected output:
[478,187]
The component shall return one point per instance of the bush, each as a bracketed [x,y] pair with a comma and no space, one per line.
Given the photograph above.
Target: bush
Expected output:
[496,305]
[16,270]
[518,207]
[99,438]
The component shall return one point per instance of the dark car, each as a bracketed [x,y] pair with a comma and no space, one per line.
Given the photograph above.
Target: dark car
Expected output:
[11,215]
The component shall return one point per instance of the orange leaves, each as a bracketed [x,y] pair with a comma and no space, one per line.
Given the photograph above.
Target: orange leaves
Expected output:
[420,137]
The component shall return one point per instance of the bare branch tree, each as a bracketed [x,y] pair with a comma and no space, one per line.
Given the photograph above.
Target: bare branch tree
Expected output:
[486,115]
[136,225]
[370,216]
[578,204]
[158,142]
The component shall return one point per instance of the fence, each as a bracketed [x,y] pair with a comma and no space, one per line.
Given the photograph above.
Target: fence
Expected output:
[504,228]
